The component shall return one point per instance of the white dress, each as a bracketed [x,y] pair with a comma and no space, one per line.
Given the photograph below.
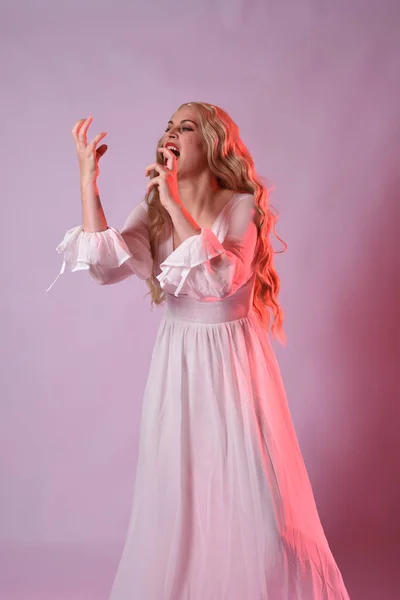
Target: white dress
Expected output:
[223,507]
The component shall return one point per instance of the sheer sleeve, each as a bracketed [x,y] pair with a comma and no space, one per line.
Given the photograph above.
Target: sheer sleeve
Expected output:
[204,268]
[110,256]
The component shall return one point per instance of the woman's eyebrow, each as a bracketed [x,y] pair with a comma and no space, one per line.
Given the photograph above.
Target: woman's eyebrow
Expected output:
[183,121]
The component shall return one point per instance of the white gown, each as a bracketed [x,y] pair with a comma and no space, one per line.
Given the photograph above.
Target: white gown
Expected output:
[223,507]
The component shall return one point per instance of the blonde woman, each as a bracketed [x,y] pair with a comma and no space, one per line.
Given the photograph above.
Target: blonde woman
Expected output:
[223,507]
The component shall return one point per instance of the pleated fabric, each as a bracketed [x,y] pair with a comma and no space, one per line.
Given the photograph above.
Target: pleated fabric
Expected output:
[223,508]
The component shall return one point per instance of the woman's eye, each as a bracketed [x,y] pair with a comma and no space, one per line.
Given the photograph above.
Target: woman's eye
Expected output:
[183,128]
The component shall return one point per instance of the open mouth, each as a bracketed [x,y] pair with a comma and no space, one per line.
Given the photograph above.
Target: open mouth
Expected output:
[173,149]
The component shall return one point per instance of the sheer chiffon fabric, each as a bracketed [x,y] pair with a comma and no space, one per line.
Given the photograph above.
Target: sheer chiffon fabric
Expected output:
[222,506]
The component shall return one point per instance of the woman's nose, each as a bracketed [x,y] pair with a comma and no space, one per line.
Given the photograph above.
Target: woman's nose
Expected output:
[172,133]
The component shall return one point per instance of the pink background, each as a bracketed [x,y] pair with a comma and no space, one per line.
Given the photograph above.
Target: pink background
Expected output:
[314,87]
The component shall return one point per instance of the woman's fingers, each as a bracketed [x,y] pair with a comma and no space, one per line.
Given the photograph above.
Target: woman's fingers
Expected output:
[79,133]
[169,162]
[169,158]
[83,131]
[76,128]
[97,138]
[155,167]
[79,127]
[152,183]
[101,150]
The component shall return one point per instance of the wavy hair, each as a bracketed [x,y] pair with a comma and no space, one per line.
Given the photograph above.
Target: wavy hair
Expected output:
[231,163]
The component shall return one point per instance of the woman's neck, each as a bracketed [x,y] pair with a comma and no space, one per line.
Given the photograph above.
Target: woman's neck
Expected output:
[199,194]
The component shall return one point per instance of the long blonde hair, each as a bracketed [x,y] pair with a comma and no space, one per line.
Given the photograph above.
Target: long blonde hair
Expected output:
[231,163]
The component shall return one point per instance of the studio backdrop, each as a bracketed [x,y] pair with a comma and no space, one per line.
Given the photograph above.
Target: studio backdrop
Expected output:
[314,87]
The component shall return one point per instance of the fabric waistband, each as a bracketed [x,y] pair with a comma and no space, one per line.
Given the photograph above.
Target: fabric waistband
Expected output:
[234,307]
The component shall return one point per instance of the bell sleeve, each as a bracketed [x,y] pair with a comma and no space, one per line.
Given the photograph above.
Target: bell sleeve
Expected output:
[206,269]
[109,256]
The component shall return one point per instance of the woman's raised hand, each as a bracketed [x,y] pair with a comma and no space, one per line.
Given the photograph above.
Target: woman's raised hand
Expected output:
[88,154]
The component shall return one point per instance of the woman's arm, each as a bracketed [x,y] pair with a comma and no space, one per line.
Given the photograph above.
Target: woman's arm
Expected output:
[93,217]
[110,256]
[89,155]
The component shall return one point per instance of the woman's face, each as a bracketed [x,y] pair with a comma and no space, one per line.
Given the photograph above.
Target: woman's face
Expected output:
[184,137]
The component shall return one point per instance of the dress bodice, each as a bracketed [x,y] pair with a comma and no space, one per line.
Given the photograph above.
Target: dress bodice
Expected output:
[236,306]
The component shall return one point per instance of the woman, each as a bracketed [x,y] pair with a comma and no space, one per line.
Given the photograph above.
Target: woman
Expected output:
[223,507]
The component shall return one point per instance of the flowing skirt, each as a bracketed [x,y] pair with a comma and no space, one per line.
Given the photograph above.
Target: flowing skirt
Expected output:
[223,508]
